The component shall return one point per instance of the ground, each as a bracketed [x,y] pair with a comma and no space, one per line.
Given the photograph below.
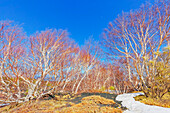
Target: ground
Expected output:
[84,103]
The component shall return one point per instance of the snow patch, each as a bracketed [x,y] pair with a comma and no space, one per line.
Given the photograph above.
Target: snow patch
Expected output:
[137,107]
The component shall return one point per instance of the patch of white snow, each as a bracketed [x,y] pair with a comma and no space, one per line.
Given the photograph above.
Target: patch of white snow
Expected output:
[137,107]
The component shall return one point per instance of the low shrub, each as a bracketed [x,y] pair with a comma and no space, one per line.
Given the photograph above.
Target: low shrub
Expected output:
[164,102]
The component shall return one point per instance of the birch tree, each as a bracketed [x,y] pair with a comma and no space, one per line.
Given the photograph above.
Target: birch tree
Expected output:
[11,51]
[88,59]
[136,35]
[45,59]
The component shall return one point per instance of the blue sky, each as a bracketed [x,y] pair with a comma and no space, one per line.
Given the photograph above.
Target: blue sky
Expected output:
[82,18]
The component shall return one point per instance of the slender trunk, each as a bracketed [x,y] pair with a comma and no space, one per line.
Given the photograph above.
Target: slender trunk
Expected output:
[65,85]
[106,81]
[80,83]
[75,84]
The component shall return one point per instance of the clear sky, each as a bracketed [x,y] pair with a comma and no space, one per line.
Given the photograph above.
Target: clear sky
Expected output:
[82,18]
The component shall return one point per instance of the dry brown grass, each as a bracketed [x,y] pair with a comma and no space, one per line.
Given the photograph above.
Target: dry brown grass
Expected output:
[45,106]
[90,109]
[98,99]
[164,102]
[90,104]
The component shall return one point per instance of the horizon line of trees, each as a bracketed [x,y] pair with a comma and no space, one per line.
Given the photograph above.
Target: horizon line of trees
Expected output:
[49,61]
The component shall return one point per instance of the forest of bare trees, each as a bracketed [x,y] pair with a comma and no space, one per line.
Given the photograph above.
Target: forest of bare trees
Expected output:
[136,56]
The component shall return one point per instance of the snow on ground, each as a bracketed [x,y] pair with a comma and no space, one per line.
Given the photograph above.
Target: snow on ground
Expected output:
[137,107]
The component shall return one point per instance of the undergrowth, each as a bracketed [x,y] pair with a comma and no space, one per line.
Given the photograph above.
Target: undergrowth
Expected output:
[164,102]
